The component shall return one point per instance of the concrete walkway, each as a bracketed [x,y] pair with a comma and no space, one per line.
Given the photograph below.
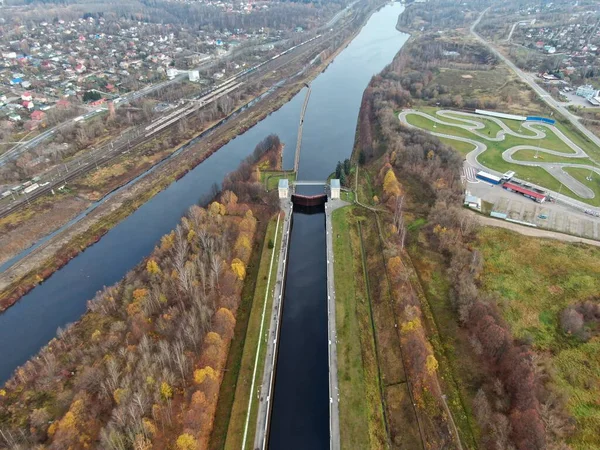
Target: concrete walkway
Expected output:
[334,394]
[266,388]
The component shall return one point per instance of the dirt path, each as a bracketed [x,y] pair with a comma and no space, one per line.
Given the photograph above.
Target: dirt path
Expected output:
[534,232]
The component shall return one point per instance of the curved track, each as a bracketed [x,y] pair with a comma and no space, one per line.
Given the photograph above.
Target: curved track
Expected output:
[474,123]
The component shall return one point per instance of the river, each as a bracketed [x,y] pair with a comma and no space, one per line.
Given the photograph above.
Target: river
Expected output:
[329,128]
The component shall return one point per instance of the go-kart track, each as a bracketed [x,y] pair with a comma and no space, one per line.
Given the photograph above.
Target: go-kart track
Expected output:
[532,131]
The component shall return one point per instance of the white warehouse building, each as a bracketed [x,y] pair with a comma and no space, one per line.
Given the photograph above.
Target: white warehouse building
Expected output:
[284,188]
[335,188]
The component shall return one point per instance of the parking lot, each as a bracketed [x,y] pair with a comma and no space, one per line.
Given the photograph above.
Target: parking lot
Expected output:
[547,215]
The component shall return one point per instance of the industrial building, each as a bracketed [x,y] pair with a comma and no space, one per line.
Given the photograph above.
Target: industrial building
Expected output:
[284,188]
[335,188]
[488,177]
[531,193]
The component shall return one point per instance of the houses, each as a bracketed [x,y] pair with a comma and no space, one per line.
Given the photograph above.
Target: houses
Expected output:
[28,105]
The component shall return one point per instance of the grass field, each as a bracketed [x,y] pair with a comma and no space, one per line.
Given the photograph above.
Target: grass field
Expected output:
[536,279]
[594,184]
[361,415]
[271,177]
[230,434]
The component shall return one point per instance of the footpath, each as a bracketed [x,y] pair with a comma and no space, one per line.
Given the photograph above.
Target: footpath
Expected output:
[267,385]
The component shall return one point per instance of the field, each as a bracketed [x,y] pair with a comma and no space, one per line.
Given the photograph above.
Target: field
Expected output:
[535,280]
[361,415]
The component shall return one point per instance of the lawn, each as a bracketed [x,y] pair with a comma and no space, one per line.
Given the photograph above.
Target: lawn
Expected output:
[462,147]
[535,280]
[239,410]
[581,175]
[271,177]
[529,155]
[361,414]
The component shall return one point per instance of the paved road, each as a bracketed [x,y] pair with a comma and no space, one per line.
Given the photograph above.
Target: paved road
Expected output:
[530,231]
[531,82]
[334,394]
[267,385]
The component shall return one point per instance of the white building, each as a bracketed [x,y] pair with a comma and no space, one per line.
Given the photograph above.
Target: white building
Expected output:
[335,188]
[172,73]
[284,188]
[587,91]
[193,75]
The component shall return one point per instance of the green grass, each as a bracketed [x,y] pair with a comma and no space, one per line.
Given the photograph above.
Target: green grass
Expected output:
[361,415]
[535,280]
[529,155]
[461,147]
[271,177]
[239,410]
[594,185]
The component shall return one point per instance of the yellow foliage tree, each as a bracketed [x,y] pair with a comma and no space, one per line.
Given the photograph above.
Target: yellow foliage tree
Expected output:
[191,235]
[200,375]
[391,187]
[149,426]
[411,325]
[213,338]
[186,442]
[431,364]
[139,294]
[166,242]
[166,391]
[239,268]
[152,267]
[118,395]
[216,208]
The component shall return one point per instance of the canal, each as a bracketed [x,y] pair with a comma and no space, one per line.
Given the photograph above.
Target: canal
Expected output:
[329,129]
[300,412]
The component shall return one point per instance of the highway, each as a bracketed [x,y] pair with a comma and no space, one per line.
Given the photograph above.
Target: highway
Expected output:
[547,98]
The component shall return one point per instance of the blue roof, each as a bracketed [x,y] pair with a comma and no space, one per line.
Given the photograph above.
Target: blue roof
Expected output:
[283,183]
[335,183]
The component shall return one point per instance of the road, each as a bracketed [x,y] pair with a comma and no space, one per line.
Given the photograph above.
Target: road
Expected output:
[535,232]
[530,81]
[268,381]
[334,394]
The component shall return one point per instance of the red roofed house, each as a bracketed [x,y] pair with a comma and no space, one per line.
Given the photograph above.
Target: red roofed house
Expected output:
[28,105]
[79,68]
[63,104]
[26,96]
[38,115]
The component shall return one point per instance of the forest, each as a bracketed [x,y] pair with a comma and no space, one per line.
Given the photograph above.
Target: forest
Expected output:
[513,403]
[143,367]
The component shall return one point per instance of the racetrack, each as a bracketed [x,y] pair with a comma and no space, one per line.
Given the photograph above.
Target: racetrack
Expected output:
[533,131]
